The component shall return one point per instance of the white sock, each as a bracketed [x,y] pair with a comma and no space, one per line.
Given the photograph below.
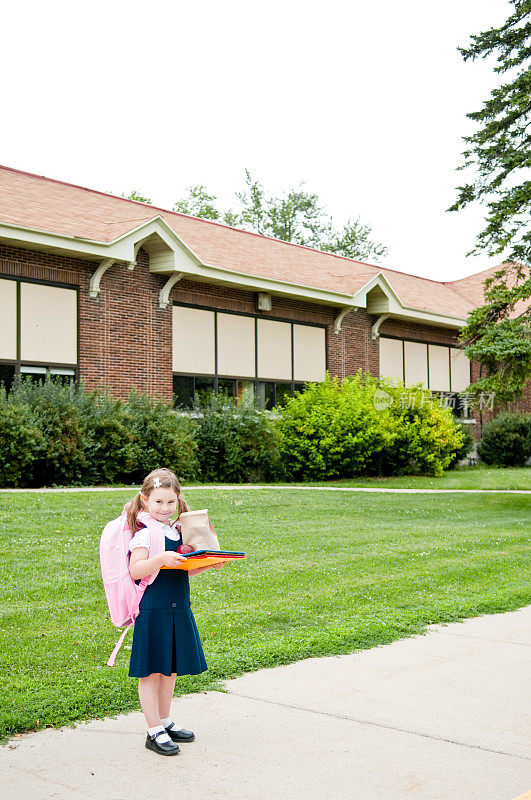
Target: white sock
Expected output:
[167,722]
[160,734]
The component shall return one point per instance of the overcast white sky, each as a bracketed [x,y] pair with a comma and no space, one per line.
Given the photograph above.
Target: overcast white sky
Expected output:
[365,102]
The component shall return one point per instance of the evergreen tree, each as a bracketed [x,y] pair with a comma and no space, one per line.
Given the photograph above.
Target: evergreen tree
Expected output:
[500,149]
[497,334]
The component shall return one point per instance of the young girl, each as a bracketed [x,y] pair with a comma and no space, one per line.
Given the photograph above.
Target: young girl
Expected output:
[166,641]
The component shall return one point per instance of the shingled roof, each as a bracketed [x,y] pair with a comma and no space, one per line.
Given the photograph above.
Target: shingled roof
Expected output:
[38,203]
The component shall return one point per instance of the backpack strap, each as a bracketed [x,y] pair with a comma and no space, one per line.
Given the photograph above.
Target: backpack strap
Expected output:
[156,547]
[134,613]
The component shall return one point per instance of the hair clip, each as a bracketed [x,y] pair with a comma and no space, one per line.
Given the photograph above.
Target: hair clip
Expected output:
[157,483]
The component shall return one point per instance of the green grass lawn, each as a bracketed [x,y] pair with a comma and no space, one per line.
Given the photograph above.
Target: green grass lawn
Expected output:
[478,477]
[326,573]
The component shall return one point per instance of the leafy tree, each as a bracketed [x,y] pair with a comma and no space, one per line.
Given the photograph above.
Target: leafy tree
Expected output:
[134,195]
[497,334]
[296,216]
[198,204]
[500,149]
[354,242]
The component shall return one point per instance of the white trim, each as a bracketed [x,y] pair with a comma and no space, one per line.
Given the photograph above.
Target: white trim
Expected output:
[340,317]
[164,294]
[399,311]
[126,246]
[375,330]
[95,278]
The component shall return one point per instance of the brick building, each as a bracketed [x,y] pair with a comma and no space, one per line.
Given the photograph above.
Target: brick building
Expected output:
[126,294]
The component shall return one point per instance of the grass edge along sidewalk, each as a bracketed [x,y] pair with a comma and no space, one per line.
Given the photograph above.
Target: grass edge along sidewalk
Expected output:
[326,574]
[464,478]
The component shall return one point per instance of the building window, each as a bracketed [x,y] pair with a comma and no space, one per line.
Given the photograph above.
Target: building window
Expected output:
[268,394]
[7,375]
[39,374]
[441,368]
[38,330]
[244,355]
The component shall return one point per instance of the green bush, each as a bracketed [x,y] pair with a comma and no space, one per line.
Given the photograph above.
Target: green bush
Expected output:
[238,443]
[161,438]
[20,441]
[333,430]
[58,452]
[506,441]
[52,433]
[111,450]
[426,436]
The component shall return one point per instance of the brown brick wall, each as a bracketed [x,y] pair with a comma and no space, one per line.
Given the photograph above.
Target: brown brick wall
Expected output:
[125,338]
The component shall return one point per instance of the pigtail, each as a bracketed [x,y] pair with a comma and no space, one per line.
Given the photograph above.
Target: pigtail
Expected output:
[183,505]
[135,507]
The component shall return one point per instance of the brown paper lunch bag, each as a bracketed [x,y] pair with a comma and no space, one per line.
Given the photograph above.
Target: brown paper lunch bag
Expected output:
[196,531]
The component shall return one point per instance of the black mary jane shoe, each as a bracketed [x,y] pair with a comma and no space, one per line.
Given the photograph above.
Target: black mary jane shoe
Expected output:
[181,735]
[164,748]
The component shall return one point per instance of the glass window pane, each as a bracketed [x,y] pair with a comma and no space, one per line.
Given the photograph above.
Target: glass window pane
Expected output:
[24,369]
[283,390]
[203,388]
[62,371]
[245,390]
[7,375]
[35,374]
[266,395]
[183,391]
[228,386]
[298,387]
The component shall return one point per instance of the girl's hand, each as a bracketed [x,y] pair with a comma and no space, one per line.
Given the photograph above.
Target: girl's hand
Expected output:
[218,566]
[171,559]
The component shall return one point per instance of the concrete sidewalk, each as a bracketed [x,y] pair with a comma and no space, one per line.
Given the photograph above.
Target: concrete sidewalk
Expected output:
[440,716]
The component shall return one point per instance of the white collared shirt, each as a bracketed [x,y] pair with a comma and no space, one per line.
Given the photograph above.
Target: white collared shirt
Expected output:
[141,537]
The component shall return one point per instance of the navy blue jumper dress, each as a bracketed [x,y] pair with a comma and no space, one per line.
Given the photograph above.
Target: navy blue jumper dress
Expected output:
[165,636]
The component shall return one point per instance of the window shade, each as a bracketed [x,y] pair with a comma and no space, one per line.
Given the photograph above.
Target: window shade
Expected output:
[193,340]
[391,358]
[48,324]
[416,356]
[8,319]
[460,369]
[274,349]
[309,353]
[439,368]
[236,346]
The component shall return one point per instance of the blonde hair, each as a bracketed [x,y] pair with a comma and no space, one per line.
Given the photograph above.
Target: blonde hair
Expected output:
[167,480]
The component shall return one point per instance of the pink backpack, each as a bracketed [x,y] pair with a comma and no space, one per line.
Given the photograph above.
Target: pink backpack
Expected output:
[123,594]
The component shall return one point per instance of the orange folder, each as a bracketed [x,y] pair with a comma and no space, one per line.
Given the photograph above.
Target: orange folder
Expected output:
[204,558]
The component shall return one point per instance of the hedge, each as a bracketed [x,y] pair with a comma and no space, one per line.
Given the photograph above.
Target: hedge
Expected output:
[335,429]
[57,434]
